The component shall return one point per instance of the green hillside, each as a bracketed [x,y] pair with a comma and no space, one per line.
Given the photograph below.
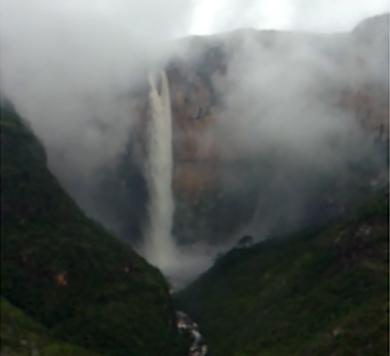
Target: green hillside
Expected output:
[64,270]
[22,336]
[323,292]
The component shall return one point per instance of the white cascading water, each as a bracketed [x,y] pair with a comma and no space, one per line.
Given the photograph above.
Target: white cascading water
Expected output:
[160,248]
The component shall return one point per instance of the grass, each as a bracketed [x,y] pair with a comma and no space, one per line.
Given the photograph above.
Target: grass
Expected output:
[22,336]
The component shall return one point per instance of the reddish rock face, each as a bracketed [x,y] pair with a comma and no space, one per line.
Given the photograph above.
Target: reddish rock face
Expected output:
[369,99]
[200,78]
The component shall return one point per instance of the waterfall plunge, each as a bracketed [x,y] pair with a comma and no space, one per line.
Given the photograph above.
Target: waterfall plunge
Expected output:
[160,248]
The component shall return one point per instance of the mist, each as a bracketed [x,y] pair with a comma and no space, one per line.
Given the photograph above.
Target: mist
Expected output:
[71,69]
[281,110]
[283,131]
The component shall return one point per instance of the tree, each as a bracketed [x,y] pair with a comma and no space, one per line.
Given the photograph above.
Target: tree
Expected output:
[245,241]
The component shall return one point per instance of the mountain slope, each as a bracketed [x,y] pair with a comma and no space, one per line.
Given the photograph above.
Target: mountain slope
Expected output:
[22,336]
[65,270]
[323,292]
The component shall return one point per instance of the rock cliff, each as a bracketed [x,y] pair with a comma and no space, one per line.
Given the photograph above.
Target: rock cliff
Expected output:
[346,73]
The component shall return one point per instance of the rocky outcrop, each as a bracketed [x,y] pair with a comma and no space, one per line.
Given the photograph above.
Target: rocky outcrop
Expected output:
[369,99]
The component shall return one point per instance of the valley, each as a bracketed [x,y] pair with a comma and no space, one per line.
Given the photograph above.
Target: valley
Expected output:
[236,205]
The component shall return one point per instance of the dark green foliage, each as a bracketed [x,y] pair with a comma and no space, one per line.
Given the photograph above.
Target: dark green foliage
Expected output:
[321,292]
[65,270]
[22,336]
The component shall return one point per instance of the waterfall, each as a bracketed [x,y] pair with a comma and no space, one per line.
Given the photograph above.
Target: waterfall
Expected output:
[160,248]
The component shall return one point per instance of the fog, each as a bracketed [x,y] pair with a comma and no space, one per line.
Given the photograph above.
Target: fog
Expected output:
[290,112]
[69,68]
[291,103]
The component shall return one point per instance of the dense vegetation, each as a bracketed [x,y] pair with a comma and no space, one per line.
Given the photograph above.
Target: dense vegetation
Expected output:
[64,270]
[319,292]
[22,336]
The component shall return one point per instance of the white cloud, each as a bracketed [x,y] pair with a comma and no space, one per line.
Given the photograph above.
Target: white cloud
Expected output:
[312,15]
[67,65]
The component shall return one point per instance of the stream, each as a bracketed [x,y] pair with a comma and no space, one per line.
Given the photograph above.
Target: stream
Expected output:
[186,325]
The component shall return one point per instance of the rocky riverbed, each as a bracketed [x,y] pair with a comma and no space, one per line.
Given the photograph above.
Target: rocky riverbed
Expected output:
[186,325]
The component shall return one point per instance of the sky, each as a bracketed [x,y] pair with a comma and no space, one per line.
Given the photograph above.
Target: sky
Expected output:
[314,15]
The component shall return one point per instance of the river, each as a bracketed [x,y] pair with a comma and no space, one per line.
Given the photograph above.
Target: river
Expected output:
[186,325]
